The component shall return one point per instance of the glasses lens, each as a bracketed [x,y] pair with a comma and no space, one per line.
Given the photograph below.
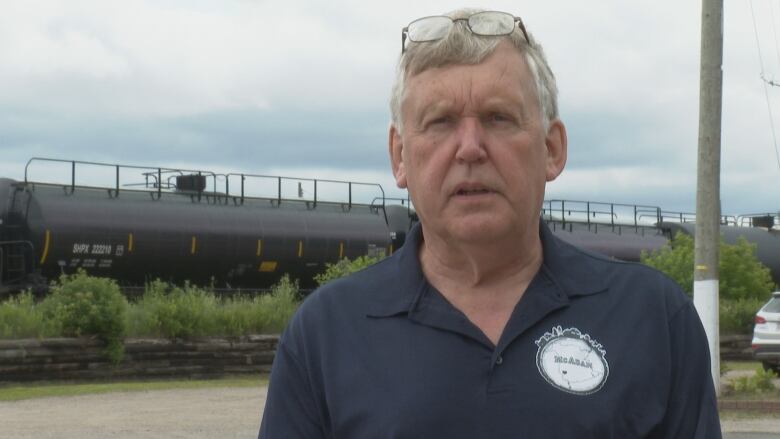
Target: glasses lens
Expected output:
[429,28]
[492,23]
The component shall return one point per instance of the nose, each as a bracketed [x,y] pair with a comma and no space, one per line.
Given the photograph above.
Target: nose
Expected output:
[470,138]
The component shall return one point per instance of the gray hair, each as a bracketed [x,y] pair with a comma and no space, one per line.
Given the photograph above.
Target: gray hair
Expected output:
[461,46]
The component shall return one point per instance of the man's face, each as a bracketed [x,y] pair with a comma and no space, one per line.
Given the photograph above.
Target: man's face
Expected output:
[474,153]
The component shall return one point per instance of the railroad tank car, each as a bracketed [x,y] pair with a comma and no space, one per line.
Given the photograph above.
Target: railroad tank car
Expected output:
[620,242]
[627,242]
[181,231]
[185,233]
[624,231]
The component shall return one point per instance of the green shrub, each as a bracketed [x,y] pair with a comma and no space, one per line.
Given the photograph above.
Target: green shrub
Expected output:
[343,268]
[173,312]
[675,259]
[277,308]
[85,305]
[238,316]
[21,317]
[267,313]
[737,316]
[761,382]
[741,274]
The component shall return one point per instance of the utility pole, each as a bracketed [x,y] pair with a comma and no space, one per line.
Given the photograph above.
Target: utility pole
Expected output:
[705,273]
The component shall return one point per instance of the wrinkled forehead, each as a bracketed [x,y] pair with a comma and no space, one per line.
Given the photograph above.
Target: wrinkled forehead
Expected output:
[502,75]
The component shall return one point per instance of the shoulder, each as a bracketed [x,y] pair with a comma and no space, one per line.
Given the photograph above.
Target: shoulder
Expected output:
[341,305]
[356,291]
[642,284]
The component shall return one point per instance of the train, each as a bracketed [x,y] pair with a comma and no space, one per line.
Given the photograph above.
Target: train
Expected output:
[219,229]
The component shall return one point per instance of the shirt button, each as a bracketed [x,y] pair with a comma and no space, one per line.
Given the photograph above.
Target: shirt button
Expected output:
[499,360]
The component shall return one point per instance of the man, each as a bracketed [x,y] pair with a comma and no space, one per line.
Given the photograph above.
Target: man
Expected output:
[484,325]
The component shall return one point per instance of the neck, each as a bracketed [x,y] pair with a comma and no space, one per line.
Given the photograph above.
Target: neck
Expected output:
[479,266]
[485,281]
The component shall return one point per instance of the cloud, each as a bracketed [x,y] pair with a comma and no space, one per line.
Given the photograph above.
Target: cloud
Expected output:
[303,86]
[256,139]
[143,58]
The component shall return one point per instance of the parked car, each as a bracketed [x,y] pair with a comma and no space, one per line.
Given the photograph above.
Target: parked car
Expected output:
[766,334]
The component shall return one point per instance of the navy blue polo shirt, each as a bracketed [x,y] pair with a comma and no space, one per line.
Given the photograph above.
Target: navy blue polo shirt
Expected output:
[595,348]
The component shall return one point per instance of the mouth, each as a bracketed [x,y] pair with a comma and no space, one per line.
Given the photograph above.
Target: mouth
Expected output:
[468,190]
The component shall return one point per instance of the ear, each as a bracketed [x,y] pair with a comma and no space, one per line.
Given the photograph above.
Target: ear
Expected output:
[396,147]
[557,149]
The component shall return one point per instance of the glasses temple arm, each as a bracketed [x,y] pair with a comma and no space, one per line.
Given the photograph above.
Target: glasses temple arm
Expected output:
[522,28]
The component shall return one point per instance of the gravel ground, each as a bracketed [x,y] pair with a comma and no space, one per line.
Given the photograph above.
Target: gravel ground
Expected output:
[192,414]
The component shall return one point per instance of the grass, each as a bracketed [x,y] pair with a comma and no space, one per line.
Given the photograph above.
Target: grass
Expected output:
[739,396]
[743,415]
[745,380]
[742,365]
[18,393]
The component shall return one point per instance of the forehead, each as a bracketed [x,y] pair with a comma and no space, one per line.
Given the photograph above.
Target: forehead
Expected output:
[502,76]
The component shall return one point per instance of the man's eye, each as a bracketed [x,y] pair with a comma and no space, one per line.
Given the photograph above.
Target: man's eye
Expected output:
[441,120]
[499,117]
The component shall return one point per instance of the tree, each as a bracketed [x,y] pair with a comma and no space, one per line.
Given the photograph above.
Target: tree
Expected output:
[742,275]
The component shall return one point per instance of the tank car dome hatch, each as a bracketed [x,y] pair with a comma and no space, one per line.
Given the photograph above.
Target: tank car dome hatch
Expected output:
[765,221]
[191,183]
[767,241]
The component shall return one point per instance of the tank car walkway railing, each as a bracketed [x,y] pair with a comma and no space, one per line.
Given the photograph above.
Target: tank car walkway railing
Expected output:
[277,198]
[616,214]
[159,180]
[153,176]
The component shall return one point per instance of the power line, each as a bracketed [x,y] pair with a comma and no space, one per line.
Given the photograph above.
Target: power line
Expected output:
[774,31]
[766,82]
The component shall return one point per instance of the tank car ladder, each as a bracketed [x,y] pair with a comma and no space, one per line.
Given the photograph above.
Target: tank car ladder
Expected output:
[16,261]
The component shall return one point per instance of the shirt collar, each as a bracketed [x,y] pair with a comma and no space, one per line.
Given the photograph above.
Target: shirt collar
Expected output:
[411,283]
[566,266]
[572,269]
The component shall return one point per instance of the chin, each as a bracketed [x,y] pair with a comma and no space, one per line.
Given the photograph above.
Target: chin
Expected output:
[485,230]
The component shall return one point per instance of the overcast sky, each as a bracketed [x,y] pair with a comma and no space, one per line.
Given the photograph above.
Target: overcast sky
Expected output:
[301,88]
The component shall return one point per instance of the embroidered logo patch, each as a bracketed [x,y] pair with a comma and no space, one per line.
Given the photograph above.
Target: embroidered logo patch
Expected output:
[572,361]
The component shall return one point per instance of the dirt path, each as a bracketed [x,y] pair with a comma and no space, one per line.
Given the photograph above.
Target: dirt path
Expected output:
[192,414]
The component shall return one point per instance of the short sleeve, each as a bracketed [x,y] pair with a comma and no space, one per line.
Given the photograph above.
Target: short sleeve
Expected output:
[692,411]
[291,409]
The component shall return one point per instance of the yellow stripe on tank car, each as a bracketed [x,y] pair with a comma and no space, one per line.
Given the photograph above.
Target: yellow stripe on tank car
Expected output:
[46,241]
[259,247]
[267,266]
[300,249]
[129,242]
[341,250]
[193,245]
